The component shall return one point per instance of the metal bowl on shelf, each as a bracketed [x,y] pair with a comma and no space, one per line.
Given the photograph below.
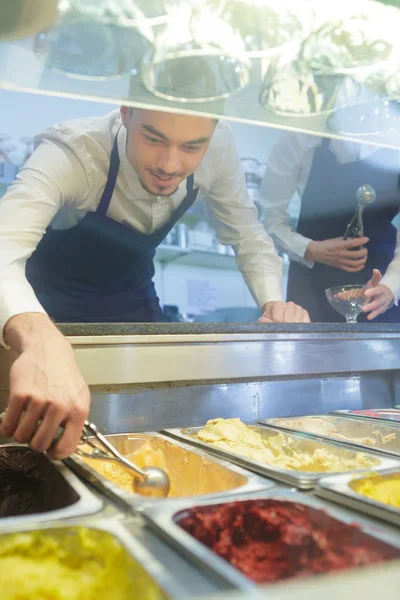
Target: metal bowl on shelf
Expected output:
[366,118]
[294,88]
[289,90]
[346,44]
[82,48]
[196,58]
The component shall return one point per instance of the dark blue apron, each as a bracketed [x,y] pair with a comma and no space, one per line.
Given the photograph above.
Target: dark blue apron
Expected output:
[328,204]
[101,270]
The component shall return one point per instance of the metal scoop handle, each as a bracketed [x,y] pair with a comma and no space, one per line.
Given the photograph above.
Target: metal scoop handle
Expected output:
[90,429]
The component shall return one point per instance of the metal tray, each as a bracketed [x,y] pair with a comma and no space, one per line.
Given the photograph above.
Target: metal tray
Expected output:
[86,504]
[161,519]
[300,479]
[182,460]
[165,582]
[390,415]
[348,427]
[338,489]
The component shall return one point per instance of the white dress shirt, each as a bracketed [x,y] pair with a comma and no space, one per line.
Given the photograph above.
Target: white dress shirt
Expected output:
[287,171]
[65,177]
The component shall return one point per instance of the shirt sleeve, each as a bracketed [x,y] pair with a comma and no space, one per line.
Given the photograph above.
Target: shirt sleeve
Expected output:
[235,218]
[288,160]
[392,276]
[51,178]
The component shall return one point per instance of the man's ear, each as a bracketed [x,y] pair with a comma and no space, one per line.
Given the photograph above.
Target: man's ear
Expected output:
[125,115]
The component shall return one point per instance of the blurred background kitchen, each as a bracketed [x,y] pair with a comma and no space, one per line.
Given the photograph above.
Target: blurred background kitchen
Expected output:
[298,67]
[196,277]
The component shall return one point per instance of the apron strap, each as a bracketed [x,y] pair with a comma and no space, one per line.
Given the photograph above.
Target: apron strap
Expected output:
[105,199]
[111,179]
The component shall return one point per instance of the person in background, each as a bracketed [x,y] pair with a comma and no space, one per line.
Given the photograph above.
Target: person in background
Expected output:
[326,174]
[78,233]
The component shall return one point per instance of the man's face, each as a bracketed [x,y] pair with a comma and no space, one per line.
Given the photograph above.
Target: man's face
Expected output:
[165,148]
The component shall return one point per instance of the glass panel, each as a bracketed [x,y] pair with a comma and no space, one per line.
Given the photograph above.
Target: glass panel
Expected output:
[298,66]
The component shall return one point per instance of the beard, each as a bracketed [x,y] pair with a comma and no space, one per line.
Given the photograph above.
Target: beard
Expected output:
[149,191]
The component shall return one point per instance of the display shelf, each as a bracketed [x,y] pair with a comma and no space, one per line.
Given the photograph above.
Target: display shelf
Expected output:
[201,258]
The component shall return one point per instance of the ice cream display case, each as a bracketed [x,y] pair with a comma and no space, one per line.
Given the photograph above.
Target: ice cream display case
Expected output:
[328,69]
[263,376]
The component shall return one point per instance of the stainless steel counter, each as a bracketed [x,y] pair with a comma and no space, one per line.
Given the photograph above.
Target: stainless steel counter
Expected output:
[149,382]
[126,360]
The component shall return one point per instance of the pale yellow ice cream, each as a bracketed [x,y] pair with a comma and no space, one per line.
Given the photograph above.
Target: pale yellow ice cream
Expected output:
[385,489]
[145,456]
[320,426]
[75,563]
[190,474]
[234,436]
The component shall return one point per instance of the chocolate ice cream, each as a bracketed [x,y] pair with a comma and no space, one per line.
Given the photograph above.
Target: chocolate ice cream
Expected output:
[30,483]
[271,540]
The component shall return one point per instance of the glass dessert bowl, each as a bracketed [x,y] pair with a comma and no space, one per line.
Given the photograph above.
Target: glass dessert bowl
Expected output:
[347,300]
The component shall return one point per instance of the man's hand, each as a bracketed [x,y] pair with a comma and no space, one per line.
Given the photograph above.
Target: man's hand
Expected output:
[337,252]
[283,312]
[379,295]
[45,385]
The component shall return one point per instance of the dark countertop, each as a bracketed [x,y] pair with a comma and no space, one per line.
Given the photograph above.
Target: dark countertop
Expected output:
[93,329]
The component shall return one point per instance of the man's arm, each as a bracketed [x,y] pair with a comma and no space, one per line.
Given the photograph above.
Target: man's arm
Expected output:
[235,219]
[289,160]
[288,164]
[45,383]
[51,179]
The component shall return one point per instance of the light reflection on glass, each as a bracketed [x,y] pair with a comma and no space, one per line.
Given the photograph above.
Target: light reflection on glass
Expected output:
[263,25]
[366,118]
[197,58]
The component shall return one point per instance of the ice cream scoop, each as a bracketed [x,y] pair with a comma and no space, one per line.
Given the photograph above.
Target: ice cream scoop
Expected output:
[148,481]
[365,195]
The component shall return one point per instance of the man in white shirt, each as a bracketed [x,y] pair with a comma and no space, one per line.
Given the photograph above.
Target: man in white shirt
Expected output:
[78,233]
[326,174]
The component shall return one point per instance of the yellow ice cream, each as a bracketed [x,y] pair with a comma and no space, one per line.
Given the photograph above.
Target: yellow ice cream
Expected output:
[74,563]
[385,489]
[279,450]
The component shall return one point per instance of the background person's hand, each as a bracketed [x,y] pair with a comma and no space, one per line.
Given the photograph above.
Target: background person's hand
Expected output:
[337,252]
[45,385]
[380,297]
[283,312]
